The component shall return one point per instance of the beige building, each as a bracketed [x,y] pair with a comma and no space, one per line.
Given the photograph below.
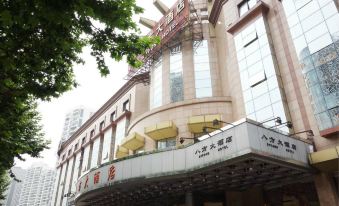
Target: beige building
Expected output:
[175,133]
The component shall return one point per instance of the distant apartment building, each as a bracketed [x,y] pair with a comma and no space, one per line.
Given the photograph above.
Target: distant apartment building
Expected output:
[14,188]
[37,187]
[73,120]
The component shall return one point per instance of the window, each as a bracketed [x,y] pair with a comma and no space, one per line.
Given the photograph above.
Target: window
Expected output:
[63,157]
[166,143]
[157,84]
[102,125]
[120,132]
[112,116]
[202,75]
[83,141]
[125,106]
[92,133]
[245,6]
[176,76]
[69,152]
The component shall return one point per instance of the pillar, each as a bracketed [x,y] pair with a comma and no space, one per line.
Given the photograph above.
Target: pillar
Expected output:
[326,191]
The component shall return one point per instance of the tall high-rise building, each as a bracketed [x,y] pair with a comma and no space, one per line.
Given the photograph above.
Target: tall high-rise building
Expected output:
[14,189]
[73,120]
[37,186]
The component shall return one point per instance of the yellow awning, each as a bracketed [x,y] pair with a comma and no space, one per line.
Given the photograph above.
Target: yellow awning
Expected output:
[162,130]
[121,152]
[197,123]
[133,141]
[325,160]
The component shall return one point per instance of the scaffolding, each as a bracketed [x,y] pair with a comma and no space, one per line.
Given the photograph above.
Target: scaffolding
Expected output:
[188,29]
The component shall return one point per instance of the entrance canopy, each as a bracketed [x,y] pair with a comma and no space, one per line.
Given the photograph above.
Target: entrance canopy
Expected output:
[236,158]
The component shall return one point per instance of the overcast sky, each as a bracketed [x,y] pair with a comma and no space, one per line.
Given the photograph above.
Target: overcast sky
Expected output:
[92,93]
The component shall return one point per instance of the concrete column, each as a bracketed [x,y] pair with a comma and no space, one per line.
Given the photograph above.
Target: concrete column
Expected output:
[325,188]
[189,199]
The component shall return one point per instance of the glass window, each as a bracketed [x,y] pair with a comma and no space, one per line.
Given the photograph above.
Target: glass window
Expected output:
[95,153]
[249,106]
[252,48]
[157,85]
[262,101]
[203,85]
[311,21]
[245,6]
[300,3]
[324,120]
[106,146]
[289,7]
[296,31]
[316,32]
[275,95]
[329,10]
[264,114]
[176,79]
[308,9]
[333,23]
[120,132]
[166,143]
[125,106]
[293,20]
[85,160]
[320,43]
[259,89]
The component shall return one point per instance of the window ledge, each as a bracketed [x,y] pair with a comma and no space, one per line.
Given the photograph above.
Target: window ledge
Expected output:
[259,8]
[330,132]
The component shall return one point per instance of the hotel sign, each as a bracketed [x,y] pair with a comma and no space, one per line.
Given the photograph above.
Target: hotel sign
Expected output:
[246,138]
[170,22]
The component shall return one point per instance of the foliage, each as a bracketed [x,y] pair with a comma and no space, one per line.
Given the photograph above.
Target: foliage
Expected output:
[4,183]
[40,41]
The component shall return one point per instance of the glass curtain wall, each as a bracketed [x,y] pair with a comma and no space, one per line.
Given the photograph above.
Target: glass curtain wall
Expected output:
[157,84]
[120,133]
[314,27]
[202,74]
[176,74]
[262,93]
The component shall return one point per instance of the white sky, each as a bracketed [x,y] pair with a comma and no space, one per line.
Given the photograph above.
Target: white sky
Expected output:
[92,92]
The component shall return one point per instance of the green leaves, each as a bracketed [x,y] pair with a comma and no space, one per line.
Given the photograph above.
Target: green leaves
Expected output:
[40,41]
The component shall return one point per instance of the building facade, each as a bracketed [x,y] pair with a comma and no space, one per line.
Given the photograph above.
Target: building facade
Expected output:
[73,121]
[221,113]
[37,186]
[14,189]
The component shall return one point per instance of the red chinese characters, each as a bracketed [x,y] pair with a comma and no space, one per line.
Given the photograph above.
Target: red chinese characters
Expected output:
[111,173]
[86,182]
[96,177]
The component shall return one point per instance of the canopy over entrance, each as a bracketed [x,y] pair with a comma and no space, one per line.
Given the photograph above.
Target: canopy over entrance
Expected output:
[237,158]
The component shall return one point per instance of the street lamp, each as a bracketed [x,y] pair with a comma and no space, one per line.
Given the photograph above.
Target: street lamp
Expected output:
[216,122]
[310,136]
[277,120]
[182,139]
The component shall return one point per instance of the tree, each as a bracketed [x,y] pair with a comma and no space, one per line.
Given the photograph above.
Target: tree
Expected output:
[40,41]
